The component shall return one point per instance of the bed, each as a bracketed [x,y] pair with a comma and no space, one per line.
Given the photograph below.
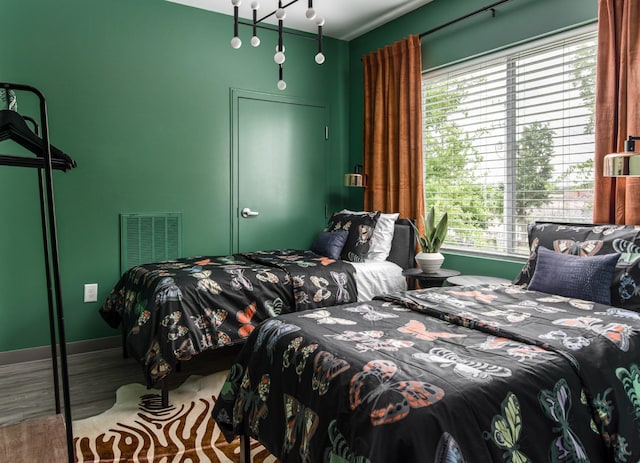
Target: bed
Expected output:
[171,311]
[545,369]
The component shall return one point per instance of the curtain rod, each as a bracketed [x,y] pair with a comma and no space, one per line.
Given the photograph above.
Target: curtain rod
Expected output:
[435,29]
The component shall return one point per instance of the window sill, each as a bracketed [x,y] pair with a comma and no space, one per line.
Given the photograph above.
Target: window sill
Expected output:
[468,252]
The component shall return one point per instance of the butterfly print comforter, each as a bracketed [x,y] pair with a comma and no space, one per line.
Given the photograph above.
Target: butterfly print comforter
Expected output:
[171,311]
[453,374]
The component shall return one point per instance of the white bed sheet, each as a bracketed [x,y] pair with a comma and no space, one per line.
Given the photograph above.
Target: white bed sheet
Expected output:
[376,278]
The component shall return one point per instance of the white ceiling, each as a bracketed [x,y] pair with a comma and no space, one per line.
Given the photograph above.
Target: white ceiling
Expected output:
[344,19]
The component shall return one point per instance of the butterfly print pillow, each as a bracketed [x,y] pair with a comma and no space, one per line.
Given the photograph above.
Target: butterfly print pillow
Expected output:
[591,240]
[360,227]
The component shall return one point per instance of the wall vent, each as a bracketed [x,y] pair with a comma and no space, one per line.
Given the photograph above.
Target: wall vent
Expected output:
[146,238]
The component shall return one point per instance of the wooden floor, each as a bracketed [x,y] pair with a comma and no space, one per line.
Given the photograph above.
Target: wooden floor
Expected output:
[38,439]
[27,388]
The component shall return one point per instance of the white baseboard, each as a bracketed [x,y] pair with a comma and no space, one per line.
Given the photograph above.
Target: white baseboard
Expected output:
[44,352]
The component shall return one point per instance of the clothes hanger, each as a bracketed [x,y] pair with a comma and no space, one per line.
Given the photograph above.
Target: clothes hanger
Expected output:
[14,127]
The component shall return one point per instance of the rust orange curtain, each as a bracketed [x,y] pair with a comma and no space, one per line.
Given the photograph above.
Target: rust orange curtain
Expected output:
[617,200]
[392,156]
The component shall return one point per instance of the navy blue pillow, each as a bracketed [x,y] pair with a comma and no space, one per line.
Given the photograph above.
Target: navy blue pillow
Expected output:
[360,227]
[581,277]
[330,244]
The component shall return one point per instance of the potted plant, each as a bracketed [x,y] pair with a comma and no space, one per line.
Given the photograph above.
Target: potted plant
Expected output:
[431,240]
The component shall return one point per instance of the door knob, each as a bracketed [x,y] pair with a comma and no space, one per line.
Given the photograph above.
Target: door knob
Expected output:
[246,212]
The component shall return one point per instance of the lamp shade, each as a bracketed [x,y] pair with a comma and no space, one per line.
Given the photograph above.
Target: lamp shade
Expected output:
[357,178]
[624,164]
[354,180]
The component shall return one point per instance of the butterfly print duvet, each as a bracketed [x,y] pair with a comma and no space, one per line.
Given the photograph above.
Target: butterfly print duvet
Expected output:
[171,311]
[478,374]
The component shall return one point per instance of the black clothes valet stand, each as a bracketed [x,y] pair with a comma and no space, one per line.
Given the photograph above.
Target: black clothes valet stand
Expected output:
[47,158]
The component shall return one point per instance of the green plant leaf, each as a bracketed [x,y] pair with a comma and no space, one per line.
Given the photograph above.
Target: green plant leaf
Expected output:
[434,235]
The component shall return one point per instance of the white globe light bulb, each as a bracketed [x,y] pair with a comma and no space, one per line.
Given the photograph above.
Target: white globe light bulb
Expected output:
[236,2]
[255,41]
[311,13]
[282,85]
[319,58]
[279,57]
[255,5]
[320,21]
[281,14]
[236,42]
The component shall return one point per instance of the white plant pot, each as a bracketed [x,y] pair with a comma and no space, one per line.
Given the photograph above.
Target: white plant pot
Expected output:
[429,262]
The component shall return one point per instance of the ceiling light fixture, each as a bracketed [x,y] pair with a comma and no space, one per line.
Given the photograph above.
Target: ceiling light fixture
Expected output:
[625,164]
[280,14]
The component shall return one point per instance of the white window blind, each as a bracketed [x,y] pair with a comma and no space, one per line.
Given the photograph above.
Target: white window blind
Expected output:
[509,139]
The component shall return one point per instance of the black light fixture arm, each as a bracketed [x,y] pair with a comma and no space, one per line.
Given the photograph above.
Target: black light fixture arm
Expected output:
[320,56]
[280,31]
[267,27]
[254,25]
[280,5]
[257,23]
[236,10]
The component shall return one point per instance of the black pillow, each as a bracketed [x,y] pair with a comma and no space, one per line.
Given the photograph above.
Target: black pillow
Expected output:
[330,244]
[591,240]
[360,227]
[588,278]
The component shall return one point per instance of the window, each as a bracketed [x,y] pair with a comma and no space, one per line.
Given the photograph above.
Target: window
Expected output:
[509,139]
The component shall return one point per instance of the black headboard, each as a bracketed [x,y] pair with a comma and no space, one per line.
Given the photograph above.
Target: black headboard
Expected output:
[403,246]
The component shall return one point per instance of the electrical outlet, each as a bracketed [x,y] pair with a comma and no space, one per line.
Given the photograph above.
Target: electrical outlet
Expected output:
[91,292]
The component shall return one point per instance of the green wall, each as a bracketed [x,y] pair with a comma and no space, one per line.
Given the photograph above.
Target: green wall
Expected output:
[490,266]
[514,22]
[138,93]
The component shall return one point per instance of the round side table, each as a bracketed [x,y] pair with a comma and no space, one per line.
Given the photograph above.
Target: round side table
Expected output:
[471,280]
[427,280]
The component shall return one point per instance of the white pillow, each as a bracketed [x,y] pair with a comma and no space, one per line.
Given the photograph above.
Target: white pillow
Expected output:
[382,236]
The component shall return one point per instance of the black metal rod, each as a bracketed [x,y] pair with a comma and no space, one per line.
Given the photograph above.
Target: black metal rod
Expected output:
[47,266]
[164,392]
[274,29]
[22,161]
[442,26]
[55,262]
[245,448]
[47,263]
[274,11]
[255,22]
[235,21]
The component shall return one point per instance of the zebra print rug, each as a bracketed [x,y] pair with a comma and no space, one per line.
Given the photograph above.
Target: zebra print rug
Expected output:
[137,430]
